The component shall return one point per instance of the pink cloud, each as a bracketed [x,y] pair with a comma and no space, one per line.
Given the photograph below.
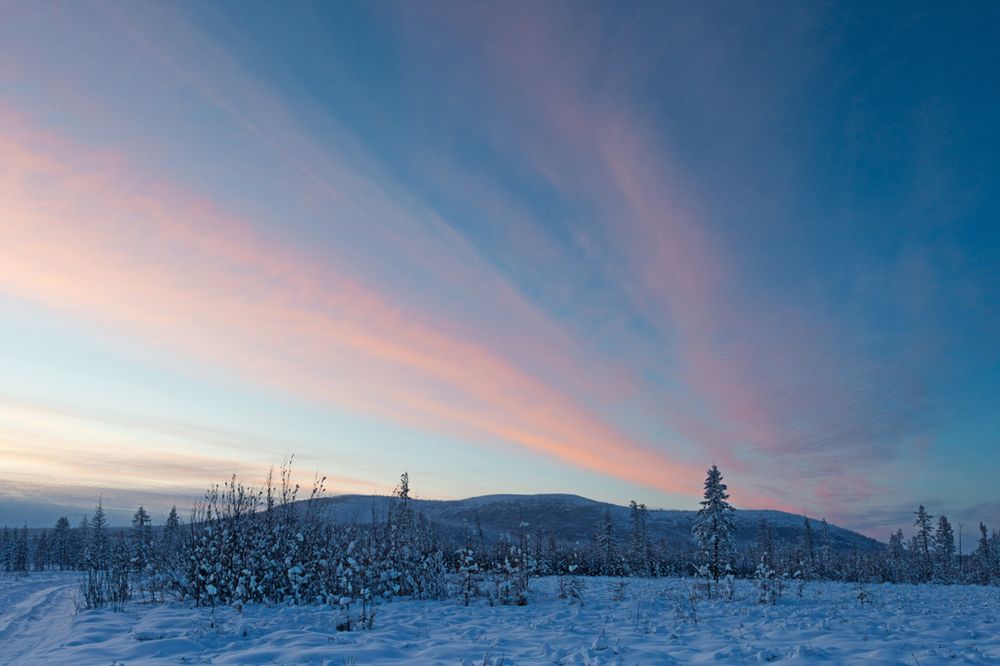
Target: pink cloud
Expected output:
[93,237]
[769,390]
[764,390]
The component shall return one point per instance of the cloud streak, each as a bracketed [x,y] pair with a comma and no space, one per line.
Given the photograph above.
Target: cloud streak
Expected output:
[770,386]
[89,238]
[574,235]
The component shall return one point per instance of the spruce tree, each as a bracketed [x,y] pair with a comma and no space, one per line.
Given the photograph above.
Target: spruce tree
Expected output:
[82,557]
[170,543]
[142,539]
[604,543]
[100,549]
[713,529]
[825,550]
[41,551]
[765,542]
[19,561]
[6,548]
[983,557]
[639,554]
[61,545]
[922,543]
[808,550]
[994,545]
[944,551]
[897,557]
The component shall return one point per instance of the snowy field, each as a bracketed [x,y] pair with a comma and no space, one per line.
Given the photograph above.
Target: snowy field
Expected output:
[647,622]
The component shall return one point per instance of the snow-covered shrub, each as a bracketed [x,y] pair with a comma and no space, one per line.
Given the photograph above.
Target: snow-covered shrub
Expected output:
[704,576]
[764,581]
[512,566]
[800,578]
[619,590]
[228,549]
[686,603]
[469,574]
[120,571]
[570,585]
[111,585]
[729,583]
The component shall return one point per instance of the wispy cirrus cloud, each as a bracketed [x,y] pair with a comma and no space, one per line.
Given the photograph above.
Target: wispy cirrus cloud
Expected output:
[760,381]
[170,268]
[553,232]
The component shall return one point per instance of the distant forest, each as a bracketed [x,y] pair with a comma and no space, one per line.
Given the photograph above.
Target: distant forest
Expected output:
[244,544]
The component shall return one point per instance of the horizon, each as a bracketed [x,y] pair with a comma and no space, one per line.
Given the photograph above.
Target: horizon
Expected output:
[120,517]
[588,249]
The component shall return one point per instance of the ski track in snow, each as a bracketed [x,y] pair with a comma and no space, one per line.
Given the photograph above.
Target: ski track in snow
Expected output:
[34,612]
[650,622]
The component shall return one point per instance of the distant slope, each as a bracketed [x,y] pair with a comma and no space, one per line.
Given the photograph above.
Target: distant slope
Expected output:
[572,518]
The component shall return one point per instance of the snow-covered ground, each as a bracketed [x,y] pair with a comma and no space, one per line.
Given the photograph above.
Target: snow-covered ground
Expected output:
[648,622]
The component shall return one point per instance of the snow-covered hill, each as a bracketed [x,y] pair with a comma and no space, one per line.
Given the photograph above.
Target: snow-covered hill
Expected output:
[572,518]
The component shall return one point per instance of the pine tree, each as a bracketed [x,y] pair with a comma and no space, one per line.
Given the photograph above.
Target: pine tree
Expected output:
[983,557]
[172,527]
[825,550]
[897,557]
[41,553]
[994,547]
[19,560]
[604,542]
[142,539]
[765,542]
[922,543]
[808,550]
[944,551]
[169,557]
[61,546]
[713,529]
[83,545]
[6,548]
[638,540]
[99,550]
[140,553]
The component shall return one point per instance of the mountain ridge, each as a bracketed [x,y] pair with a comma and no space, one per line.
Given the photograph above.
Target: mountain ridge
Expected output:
[573,519]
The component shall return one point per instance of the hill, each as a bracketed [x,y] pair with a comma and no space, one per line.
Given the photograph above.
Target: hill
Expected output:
[574,519]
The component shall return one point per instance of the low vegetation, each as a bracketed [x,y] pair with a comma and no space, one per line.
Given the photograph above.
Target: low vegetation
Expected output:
[243,545]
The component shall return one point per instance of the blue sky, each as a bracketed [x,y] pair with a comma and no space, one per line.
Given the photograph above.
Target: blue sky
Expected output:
[513,247]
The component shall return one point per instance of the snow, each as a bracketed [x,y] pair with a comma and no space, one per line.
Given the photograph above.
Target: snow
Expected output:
[651,621]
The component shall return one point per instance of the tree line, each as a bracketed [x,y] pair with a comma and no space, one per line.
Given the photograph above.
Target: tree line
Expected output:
[929,556]
[244,544]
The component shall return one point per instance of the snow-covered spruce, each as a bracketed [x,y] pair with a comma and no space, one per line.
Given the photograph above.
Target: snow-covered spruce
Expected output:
[713,531]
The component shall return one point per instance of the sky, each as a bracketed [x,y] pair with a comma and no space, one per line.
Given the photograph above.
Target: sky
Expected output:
[507,247]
